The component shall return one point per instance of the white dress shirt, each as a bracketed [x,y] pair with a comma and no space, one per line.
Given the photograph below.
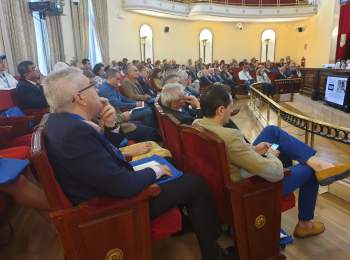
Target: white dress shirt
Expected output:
[244,75]
[7,81]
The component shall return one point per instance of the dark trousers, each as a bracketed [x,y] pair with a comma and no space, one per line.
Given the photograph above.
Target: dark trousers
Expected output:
[192,192]
[303,176]
[143,133]
[269,89]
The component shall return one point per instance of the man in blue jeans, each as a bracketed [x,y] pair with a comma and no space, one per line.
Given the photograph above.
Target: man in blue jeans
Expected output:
[259,159]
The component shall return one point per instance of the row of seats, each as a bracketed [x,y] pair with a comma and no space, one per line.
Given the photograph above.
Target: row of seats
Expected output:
[241,205]
[15,141]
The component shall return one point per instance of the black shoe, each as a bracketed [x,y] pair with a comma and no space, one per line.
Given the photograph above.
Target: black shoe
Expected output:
[228,253]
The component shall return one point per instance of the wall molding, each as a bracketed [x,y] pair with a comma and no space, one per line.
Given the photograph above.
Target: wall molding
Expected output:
[220,12]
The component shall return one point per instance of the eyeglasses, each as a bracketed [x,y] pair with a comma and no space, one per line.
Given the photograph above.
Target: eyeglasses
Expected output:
[92,84]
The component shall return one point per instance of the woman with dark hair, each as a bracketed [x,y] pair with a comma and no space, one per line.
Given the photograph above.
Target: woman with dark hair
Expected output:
[99,71]
[156,80]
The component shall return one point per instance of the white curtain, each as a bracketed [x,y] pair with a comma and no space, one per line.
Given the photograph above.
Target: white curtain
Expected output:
[17,29]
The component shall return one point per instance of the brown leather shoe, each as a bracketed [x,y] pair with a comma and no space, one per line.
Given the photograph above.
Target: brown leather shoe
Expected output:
[235,112]
[330,175]
[317,228]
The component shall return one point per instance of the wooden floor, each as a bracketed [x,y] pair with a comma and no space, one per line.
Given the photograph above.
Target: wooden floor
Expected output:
[35,239]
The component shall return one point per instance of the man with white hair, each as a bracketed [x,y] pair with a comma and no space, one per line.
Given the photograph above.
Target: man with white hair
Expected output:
[183,107]
[87,165]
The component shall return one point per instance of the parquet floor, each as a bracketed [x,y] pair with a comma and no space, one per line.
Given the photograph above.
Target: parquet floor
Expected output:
[35,239]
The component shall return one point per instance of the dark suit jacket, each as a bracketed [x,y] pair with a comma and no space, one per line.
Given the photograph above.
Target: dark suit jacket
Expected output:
[30,96]
[147,89]
[205,81]
[85,164]
[281,76]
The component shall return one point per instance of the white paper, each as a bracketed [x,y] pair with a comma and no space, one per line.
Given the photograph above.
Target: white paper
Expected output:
[135,108]
[282,235]
[145,165]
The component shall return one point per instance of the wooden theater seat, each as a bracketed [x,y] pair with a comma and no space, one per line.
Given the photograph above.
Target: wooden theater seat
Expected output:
[172,133]
[159,112]
[101,228]
[252,206]
[8,100]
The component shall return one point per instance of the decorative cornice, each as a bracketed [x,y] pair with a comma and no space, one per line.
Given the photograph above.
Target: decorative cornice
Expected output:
[219,12]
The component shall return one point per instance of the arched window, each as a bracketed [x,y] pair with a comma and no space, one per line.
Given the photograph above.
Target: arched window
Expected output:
[206,46]
[146,42]
[268,41]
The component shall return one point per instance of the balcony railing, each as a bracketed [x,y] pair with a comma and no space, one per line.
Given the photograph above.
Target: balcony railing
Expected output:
[260,3]
[311,126]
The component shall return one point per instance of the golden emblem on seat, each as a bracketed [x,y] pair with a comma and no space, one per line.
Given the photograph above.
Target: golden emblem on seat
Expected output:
[114,254]
[260,221]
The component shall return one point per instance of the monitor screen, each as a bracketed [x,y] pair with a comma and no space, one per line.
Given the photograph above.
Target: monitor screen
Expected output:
[336,89]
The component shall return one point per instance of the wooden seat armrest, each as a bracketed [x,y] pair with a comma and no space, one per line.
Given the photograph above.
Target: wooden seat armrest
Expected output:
[105,205]
[250,184]
[20,125]
[5,135]
[36,111]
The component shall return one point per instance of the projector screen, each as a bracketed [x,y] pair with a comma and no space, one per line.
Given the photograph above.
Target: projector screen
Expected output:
[336,89]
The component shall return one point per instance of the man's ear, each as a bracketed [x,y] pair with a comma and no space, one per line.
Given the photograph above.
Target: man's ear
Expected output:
[79,99]
[220,110]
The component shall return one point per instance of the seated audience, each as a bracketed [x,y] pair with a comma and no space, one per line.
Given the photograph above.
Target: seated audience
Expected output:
[139,112]
[204,79]
[185,80]
[149,64]
[294,70]
[245,76]
[7,81]
[130,86]
[259,159]
[85,64]
[228,79]
[282,73]
[184,108]
[145,84]
[262,77]
[99,71]
[174,101]
[156,79]
[29,92]
[87,165]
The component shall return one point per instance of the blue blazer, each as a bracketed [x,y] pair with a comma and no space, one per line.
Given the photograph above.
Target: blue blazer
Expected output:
[86,164]
[115,98]
[30,96]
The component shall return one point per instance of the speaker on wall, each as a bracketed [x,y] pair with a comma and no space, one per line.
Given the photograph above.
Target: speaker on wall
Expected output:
[166,29]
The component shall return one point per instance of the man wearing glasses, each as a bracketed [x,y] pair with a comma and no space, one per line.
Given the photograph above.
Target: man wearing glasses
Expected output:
[29,92]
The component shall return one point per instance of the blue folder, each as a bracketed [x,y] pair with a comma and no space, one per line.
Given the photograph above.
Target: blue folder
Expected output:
[10,169]
[176,173]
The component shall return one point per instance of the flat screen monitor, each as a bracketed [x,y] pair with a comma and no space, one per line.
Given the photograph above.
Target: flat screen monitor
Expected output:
[336,90]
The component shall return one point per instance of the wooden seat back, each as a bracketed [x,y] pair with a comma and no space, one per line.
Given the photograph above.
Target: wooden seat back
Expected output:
[252,206]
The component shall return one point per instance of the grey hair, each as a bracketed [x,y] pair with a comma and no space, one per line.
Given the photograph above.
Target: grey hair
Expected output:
[60,66]
[171,92]
[60,87]
[182,74]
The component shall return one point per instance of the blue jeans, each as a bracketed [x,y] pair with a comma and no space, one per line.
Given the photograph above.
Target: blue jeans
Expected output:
[145,115]
[303,176]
